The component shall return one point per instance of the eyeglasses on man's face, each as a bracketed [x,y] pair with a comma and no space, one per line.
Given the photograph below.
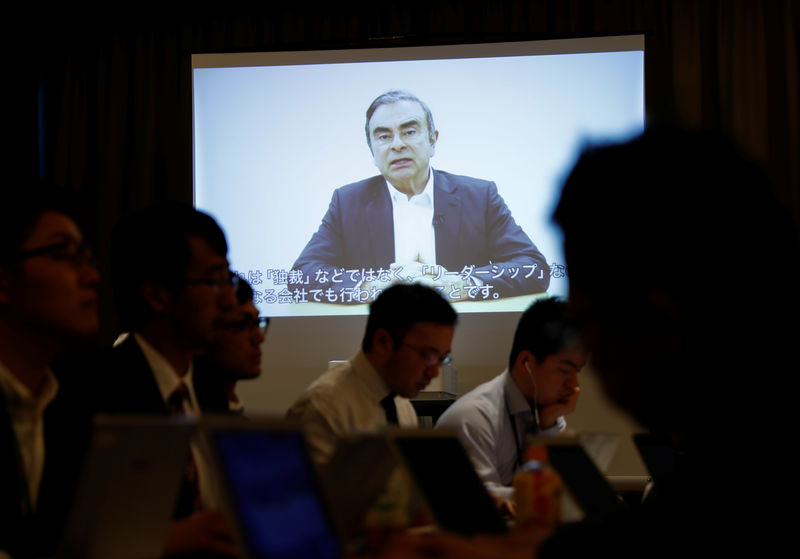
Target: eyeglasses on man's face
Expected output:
[430,356]
[249,324]
[74,253]
[226,280]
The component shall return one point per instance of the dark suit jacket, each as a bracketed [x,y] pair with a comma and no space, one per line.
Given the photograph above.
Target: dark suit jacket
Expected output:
[472,223]
[16,528]
[130,388]
[66,431]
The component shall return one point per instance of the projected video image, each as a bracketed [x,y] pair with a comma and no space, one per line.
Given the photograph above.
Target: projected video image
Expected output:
[335,179]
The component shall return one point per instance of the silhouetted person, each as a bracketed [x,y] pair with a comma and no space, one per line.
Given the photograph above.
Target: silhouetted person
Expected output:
[684,273]
[48,302]
[172,289]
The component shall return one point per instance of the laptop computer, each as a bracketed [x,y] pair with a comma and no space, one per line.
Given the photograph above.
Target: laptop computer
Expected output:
[270,489]
[128,488]
[582,478]
[445,477]
[355,477]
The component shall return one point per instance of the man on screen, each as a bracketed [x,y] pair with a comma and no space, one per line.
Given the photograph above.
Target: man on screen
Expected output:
[414,223]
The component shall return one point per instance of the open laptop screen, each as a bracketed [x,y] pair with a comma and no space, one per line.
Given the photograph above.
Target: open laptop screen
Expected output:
[273,491]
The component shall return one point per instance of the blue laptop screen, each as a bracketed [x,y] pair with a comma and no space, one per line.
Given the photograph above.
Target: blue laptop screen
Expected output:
[273,487]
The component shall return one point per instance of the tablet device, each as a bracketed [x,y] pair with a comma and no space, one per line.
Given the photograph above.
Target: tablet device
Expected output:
[585,482]
[128,488]
[355,477]
[270,489]
[445,477]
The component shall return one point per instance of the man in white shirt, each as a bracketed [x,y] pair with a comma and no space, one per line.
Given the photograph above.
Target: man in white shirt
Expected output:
[408,336]
[414,223]
[539,387]
[48,301]
[172,288]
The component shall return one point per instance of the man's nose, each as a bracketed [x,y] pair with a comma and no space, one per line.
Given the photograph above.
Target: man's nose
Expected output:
[258,337]
[433,371]
[397,142]
[572,380]
[90,275]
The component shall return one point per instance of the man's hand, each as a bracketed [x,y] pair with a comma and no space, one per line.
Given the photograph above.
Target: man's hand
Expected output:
[505,506]
[204,532]
[548,415]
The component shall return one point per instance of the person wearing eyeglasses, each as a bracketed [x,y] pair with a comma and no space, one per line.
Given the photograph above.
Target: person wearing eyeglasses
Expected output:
[532,396]
[173,288]
[48,302]
[408,337]
[234,355]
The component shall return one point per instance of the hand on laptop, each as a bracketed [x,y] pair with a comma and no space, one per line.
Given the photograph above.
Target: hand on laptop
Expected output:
[203,532]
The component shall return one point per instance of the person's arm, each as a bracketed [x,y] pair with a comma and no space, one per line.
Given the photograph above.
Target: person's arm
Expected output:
[475,431]
[322,258]
[517,266]
[321,435]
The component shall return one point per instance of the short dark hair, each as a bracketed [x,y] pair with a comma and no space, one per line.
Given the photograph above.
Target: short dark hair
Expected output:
[401,306]
[683,216]
[21,208]
[544,329]
[672,209]
[153,244]
[394,97]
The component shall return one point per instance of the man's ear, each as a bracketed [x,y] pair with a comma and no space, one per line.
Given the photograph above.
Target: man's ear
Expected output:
[433,141]
[382,341]
[524,358]
[155,295]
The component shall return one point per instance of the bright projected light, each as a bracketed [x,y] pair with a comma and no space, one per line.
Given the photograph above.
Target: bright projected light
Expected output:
[276,134]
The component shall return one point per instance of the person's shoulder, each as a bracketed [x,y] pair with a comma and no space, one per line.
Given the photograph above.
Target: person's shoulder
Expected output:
[449,180]
[364,187]
[484,401]
[329,385]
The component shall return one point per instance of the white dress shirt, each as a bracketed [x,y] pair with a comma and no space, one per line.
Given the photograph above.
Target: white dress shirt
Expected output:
[414,236]
[168,380]
[344,400]
[491,421]
[26,411]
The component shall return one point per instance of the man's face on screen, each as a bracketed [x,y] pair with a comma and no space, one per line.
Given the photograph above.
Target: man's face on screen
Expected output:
[401,145]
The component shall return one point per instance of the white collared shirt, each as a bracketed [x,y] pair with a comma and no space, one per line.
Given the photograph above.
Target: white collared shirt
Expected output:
[343,401]
[168,380]
[27,417]
[167,377]
[491,421]
[414,235]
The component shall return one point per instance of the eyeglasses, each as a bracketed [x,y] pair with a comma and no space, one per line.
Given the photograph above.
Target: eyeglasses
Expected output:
[431,357]
[216,284]
[70,251]
[249,324]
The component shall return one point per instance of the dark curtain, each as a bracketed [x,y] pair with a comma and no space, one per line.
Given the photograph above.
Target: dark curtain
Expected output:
[105,110]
